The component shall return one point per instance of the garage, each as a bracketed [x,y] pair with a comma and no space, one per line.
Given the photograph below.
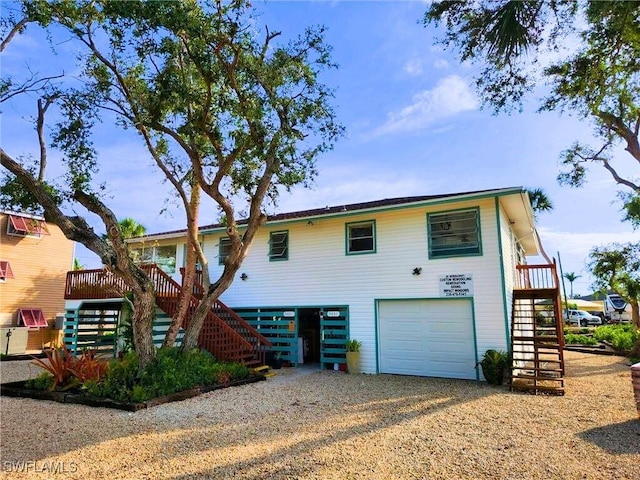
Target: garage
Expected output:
[430,338]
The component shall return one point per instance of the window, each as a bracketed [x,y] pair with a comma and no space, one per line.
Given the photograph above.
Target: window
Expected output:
[26,226]
[164,256]
[361,237]
[454,234]
[32,318]
[5,271]
[224,249]
[279,246]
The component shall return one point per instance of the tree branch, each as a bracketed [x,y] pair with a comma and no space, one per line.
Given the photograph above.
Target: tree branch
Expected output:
[13,32]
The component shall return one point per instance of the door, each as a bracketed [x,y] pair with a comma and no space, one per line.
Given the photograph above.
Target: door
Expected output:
[432,338]
[334,333]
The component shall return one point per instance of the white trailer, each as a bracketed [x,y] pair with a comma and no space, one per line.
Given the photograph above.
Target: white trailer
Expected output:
[616,309]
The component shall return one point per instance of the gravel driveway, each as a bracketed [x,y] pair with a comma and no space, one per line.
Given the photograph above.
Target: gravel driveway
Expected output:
[328,425]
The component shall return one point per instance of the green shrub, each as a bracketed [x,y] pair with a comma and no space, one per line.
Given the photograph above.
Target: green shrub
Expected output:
[171,371]
[44,381]
[573,339]
[119,381]
[621,336]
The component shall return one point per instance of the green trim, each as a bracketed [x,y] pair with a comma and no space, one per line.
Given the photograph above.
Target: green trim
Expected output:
[281,258]
[502,274]
[376,302]
[347,237]
[446,212]
[369,211]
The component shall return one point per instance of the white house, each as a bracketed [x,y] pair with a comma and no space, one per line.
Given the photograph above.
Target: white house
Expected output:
[425,283]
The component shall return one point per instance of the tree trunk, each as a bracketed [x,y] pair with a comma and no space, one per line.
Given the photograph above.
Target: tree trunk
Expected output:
[194,252]
[635,315]
[144,304]
[190,339]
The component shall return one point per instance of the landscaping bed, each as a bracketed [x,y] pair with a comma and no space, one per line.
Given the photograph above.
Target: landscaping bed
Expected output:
[96,381]
[20,389]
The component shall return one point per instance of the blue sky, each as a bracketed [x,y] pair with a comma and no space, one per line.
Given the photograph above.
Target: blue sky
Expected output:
[414,127]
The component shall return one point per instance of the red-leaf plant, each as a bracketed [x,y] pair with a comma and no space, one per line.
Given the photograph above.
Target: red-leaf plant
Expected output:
[69,371]
[59,363]
[89,367]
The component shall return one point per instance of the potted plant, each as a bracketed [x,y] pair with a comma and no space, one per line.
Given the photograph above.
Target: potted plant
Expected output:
[495,364]
[353,356]
[276,363]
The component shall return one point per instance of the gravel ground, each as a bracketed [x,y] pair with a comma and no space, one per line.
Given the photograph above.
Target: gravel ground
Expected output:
[330,425]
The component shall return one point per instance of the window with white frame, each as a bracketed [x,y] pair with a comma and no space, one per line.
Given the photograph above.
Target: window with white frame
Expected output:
[162,255]
[279,245]
[22,226]
[453,234]
[224,249]
[361,237]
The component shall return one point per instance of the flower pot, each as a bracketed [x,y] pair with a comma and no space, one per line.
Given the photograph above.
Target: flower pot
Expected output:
[353,362]
[494,374]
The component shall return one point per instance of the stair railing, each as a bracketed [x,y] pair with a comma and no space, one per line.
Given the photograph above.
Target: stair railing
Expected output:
[216,336]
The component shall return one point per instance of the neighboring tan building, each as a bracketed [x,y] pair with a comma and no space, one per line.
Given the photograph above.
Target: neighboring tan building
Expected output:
[35,257]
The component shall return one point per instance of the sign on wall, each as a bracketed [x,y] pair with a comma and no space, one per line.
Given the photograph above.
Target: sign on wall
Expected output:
[457,285]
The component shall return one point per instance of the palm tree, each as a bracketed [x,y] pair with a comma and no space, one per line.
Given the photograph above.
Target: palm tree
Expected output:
[130,228]
[571,277]
[539,201]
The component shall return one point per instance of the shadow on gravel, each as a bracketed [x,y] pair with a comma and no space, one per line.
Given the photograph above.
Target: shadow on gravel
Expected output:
[581,368]
[617,439]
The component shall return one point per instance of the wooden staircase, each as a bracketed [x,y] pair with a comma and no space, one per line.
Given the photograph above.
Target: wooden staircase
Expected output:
[224,334]
[537,342]
[227,336]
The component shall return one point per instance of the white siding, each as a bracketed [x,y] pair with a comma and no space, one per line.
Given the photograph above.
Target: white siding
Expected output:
[319,272]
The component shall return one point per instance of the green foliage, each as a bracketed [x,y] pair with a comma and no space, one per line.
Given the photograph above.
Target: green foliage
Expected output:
[495,364]
[574,339]
[622,336]
[353,345]
[599,78]
[125,327]
[44,381]
[15,196]
[171,371]
[119,381]
[540,202]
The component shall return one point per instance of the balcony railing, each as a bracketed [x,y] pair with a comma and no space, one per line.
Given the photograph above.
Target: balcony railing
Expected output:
[536,277]
[98,284]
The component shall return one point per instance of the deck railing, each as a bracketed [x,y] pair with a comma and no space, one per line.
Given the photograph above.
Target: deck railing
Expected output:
[225,334]
[536,277]
[97,284]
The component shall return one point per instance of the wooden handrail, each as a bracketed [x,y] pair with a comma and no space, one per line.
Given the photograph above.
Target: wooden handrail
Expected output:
[224,333]
[536,277]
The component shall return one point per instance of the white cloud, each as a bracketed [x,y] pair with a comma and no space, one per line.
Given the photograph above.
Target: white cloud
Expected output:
[450,96]
[413,67]
[441,64]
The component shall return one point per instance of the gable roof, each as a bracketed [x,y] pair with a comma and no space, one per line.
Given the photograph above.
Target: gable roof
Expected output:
[375,205]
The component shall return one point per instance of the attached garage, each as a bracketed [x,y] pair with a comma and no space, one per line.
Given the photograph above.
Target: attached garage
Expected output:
[430,338]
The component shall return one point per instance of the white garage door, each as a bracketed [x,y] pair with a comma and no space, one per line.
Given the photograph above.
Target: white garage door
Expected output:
[431,338]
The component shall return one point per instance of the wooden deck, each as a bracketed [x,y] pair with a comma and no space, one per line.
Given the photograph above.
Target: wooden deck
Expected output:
[226,335]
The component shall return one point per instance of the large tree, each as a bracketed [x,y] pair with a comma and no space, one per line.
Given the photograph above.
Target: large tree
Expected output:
[617,267]
[222,110]
[524,44]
